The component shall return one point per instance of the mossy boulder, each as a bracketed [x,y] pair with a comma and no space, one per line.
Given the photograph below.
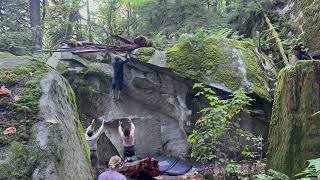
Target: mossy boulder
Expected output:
[49,141]
[231,63]
[303,18]
[144,54]
[294,134]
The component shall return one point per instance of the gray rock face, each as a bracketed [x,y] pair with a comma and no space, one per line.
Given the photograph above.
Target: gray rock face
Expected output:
[55,148]
[303,20]
[153,96]
[59,136]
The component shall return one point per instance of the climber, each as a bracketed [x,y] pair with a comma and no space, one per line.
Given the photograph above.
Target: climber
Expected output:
[127,137]
[117,81]
[112,174]
[92,142]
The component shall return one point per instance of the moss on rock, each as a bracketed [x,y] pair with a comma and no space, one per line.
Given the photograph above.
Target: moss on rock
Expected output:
[144,54]
[22,111]
[294,130]
[209,59]
[254,73]
[80,129]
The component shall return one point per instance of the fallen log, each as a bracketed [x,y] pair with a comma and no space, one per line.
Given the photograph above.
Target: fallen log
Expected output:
[122,39]
[147,166]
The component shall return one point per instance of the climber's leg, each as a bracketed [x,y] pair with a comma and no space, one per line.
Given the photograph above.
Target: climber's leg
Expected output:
[95,163]
[120,84]
[118,97]
[114,84]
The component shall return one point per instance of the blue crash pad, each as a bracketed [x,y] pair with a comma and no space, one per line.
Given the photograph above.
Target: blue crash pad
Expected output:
[172,166]
[165,163]
[180,168]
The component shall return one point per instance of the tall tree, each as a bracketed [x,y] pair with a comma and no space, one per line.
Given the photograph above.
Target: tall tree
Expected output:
[35,19]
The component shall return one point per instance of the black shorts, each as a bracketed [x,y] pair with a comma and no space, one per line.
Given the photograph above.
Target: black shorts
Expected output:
[129,151]
[117,84]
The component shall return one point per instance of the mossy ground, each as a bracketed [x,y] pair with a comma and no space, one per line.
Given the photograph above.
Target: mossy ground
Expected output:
[21,111]
[207,59]
[294,132]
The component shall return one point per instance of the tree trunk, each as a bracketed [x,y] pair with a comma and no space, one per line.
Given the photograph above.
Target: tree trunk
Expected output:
[44,10]
[35,19]
[278,40]
[89,22]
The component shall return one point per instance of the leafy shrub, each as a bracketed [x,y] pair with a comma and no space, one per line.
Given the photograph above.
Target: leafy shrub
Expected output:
[218,132]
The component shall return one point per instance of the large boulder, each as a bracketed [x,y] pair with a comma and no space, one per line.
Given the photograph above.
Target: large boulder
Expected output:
[161,102]
[295,126]
[49,141]
[155,97]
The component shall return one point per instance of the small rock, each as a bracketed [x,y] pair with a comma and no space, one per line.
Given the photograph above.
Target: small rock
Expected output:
[10,130]
[4,91]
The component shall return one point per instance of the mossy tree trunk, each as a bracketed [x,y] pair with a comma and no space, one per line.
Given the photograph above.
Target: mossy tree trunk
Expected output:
[295,126]
[277,39]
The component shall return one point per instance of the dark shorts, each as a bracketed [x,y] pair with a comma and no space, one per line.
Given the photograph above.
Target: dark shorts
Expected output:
[117,84]
[128,151]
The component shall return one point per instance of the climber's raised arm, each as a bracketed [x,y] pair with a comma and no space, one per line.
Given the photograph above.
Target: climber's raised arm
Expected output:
[100,131]
[132,127]
[89,129]
[120,130]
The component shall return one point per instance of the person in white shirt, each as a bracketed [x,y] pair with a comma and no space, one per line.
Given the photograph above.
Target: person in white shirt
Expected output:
[127,137]
[92,140]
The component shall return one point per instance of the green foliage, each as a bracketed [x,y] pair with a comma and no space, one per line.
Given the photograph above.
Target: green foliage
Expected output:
[62,22]
[15,31]
[271,175]
[218,132]
[311,172]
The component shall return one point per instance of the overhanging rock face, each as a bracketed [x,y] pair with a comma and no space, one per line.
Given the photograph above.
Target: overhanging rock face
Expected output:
[160,102]
[153,96]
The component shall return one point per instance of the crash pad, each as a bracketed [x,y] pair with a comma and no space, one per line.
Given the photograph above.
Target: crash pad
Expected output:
[173,166]
[165,163]
[180,168]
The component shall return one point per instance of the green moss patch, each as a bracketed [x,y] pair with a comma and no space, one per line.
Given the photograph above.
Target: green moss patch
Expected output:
[209,59]
[23,160]
[144,54]
[254,73]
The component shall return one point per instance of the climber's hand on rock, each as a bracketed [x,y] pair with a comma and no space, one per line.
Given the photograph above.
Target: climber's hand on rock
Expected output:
[120,123]
[93,121]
